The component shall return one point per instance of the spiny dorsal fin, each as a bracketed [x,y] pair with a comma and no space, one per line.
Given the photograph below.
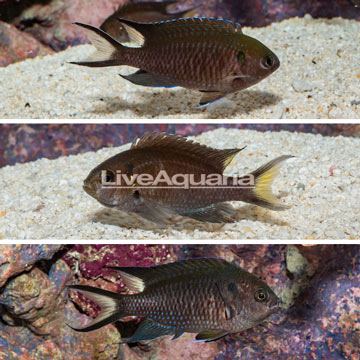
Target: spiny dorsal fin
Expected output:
[204,23]
[182,27]
[219,159]
[139,278]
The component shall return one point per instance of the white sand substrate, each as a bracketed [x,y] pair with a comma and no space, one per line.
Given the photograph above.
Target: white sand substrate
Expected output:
[319,77]
[45,199]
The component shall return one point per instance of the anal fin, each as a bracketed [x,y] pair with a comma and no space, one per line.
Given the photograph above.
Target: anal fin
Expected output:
[210,335]
[141,77]
[148,330]
[215,213]
[210,97]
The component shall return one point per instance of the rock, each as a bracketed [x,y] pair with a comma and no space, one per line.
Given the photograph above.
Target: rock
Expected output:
[301,85]
[52,24]
[39,301]
[16,45]
[15,259]
[28,142]
[36,298]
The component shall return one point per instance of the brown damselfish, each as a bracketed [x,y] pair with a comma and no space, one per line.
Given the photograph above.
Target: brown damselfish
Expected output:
[163,174]
[210,297]
[209,55]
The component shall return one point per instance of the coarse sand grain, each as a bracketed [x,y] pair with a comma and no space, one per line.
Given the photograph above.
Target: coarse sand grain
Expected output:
[45,199]
[319,77]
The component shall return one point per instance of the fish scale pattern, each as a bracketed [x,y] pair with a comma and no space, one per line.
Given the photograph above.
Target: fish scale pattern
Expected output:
[181,305]
[199,41]
[205,24]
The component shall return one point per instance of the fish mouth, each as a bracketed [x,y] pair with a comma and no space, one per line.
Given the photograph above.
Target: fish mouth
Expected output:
[88,189]
[91,190]
[109,205]
[275,306]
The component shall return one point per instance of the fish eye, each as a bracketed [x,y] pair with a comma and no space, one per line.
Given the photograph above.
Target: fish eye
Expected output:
[107,176]
[240,57]
[261,295]
[267,62]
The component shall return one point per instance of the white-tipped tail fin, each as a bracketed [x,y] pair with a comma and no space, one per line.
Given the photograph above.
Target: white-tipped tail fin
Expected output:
[107,52]
[108,303]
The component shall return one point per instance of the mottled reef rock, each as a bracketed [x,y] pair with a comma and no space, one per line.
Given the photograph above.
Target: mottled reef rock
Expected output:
[16,45]
[29,142]
[14,259]
[34,306]
[50,21]
[319,286]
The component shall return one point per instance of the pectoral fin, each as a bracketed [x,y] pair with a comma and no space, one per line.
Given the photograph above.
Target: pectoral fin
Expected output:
[143,78]
[228,295]
[210,97]
[210,335]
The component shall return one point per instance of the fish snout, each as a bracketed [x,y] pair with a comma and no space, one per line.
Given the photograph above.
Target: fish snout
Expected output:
[89,188]
[270,62]
[275,305]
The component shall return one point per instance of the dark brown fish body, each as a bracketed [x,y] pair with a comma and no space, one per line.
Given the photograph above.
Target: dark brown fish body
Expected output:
[144,12]
[207,296]
[209,55]
[182,160]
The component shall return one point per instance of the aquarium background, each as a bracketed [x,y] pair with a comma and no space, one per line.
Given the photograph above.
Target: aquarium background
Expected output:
[31,27]
[20,143]
[319,286]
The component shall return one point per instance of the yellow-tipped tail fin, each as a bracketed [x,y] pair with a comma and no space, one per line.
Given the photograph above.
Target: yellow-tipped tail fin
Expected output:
[262,194]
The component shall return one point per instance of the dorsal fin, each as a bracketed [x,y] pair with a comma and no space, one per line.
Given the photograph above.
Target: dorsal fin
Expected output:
[182,27]
[146,276]
[219,159]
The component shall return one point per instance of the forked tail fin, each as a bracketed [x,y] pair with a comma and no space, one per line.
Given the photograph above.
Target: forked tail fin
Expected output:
[109,303]
[261,194]
[108,50]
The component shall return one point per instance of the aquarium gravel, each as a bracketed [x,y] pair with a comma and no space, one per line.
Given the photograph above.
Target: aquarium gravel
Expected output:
[45,199]
[319,77]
